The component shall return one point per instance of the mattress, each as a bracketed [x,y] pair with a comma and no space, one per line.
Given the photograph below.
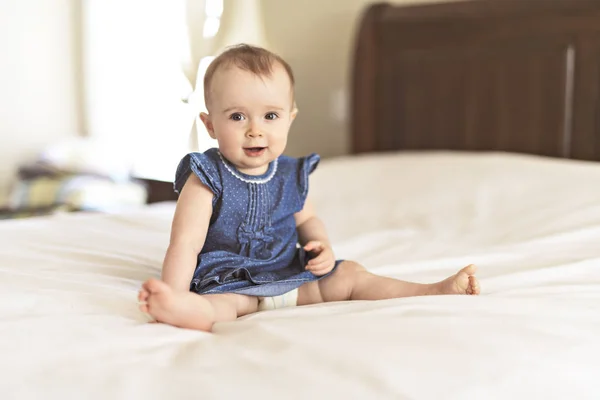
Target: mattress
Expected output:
[71,329]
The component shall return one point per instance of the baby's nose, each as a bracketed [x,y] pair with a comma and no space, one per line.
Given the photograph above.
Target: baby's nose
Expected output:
[254,130]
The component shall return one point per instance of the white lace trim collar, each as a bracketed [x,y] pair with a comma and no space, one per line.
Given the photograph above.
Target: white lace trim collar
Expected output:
[246,178]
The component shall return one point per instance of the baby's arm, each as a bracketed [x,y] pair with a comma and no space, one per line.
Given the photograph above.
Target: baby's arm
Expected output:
[313,237]
[309,226]
[188,233]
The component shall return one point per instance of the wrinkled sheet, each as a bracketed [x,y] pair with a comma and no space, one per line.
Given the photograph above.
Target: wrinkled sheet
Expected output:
[70,327]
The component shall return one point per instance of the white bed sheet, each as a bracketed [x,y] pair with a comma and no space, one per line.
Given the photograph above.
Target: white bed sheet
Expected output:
[70,328]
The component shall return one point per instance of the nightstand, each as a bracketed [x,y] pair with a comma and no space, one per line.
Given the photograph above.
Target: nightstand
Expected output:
[158,190]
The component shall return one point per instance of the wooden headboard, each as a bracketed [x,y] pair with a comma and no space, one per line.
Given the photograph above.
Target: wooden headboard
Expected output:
[498,75]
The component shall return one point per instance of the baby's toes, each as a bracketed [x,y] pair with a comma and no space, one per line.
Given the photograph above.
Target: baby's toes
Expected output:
[474,287]
[461,282]
[143,296]
[155,286]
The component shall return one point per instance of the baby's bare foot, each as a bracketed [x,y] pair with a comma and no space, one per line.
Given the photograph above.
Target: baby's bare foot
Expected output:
[464,282]
[181,309]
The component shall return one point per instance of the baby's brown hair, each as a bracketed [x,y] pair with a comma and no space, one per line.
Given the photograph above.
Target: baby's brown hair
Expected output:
[256,60]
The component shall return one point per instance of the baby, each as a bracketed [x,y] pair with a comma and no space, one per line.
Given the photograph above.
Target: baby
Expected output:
[245,236]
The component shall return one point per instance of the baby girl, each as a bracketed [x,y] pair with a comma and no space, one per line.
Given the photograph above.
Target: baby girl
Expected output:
[245,236]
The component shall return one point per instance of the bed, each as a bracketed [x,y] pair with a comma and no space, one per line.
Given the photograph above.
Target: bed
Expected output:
[475,139]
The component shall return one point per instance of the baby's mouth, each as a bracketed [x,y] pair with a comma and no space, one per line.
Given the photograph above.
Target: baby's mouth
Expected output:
[254,151]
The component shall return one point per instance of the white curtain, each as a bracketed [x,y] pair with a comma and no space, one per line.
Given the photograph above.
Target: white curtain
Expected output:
[138,64]
[242,21]
[144,62]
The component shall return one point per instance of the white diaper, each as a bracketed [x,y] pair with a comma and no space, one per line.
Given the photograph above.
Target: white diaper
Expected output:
[289,299]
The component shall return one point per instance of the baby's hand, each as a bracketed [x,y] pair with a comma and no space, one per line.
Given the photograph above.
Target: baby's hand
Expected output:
[324,261]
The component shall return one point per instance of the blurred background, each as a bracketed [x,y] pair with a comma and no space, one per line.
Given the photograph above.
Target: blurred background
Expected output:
[97,93]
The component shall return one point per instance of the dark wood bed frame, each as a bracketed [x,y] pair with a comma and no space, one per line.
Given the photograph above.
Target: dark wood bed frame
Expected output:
[484,75]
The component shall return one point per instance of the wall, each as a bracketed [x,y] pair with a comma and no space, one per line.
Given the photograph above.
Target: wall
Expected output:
[316,37]
[38,75]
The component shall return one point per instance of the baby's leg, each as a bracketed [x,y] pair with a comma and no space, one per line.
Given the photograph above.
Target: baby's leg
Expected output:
[352,282]
[190,310]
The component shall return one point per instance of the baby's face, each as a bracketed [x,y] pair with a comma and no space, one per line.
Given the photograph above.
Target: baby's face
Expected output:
[250,116]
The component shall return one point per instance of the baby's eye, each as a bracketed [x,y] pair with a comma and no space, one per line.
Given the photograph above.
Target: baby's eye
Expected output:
[236,117]
[271,116]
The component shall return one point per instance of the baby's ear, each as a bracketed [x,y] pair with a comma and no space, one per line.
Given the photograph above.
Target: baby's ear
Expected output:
[294,112]
[206,120]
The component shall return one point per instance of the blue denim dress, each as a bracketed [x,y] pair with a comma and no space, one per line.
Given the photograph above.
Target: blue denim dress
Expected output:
[251,246]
